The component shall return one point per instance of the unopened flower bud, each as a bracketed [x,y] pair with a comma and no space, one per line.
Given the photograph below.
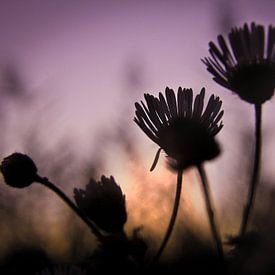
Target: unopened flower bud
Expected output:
[18,170]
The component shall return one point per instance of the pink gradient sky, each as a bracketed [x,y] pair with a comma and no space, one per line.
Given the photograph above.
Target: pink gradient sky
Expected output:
[74,56]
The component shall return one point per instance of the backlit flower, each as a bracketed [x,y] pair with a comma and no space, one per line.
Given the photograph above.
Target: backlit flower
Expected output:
[18,170]
[104,203]
[245,65]
[180,126]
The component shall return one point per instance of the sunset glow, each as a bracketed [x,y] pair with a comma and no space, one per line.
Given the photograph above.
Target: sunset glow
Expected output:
[71,72]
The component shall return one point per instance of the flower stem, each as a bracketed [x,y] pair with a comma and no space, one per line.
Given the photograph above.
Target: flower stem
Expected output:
[255,172]
[64,197]
[210,211]
[172,219]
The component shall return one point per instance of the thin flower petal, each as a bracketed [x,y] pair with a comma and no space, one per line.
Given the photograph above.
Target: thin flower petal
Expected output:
[160,111]
[171,100]
[218,118]
[271,42]
[146,130]
[212,69]
[216,129]
[189,96]
[180,102]
[215,51]
[141,115]
[164,106]
[230,62]
[152,111]
[222,82]
[198,105]
[155,160]
[208,109]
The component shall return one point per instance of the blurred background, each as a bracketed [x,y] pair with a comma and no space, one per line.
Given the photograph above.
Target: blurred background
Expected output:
[70,73]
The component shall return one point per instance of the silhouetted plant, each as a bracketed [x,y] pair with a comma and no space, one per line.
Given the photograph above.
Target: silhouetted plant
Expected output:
[186,134]
[20,171]
[248,69]
[104,203]
[185,130]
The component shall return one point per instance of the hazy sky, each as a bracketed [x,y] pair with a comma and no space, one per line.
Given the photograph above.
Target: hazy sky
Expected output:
[87,62]
[75,55]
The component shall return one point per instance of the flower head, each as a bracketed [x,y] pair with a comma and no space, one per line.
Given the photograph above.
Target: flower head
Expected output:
[181,128]
[18,170]
[104,203]
[248,68]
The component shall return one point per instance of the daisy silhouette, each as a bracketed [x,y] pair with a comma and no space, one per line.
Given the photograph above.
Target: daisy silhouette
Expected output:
[246,65]
[186,131]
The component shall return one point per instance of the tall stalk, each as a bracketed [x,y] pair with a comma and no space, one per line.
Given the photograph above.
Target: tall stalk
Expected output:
[255,172]
[210,211]
[172,219]
[64,197]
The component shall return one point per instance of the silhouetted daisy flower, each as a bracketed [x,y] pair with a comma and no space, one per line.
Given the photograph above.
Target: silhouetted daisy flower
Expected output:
[18,170]
[185,131]
[247,65]
[104,203]
[248,69]
[180,126]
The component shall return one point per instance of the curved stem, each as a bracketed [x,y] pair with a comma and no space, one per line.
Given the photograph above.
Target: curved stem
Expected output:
[172,219]
[210,211]
[63,196]
[255,172]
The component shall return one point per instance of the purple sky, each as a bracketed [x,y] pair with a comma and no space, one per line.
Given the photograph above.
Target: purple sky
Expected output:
[87,62]
[76,58]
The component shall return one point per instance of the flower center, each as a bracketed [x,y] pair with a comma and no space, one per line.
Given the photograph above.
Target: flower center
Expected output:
[254,82]
[188,142]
